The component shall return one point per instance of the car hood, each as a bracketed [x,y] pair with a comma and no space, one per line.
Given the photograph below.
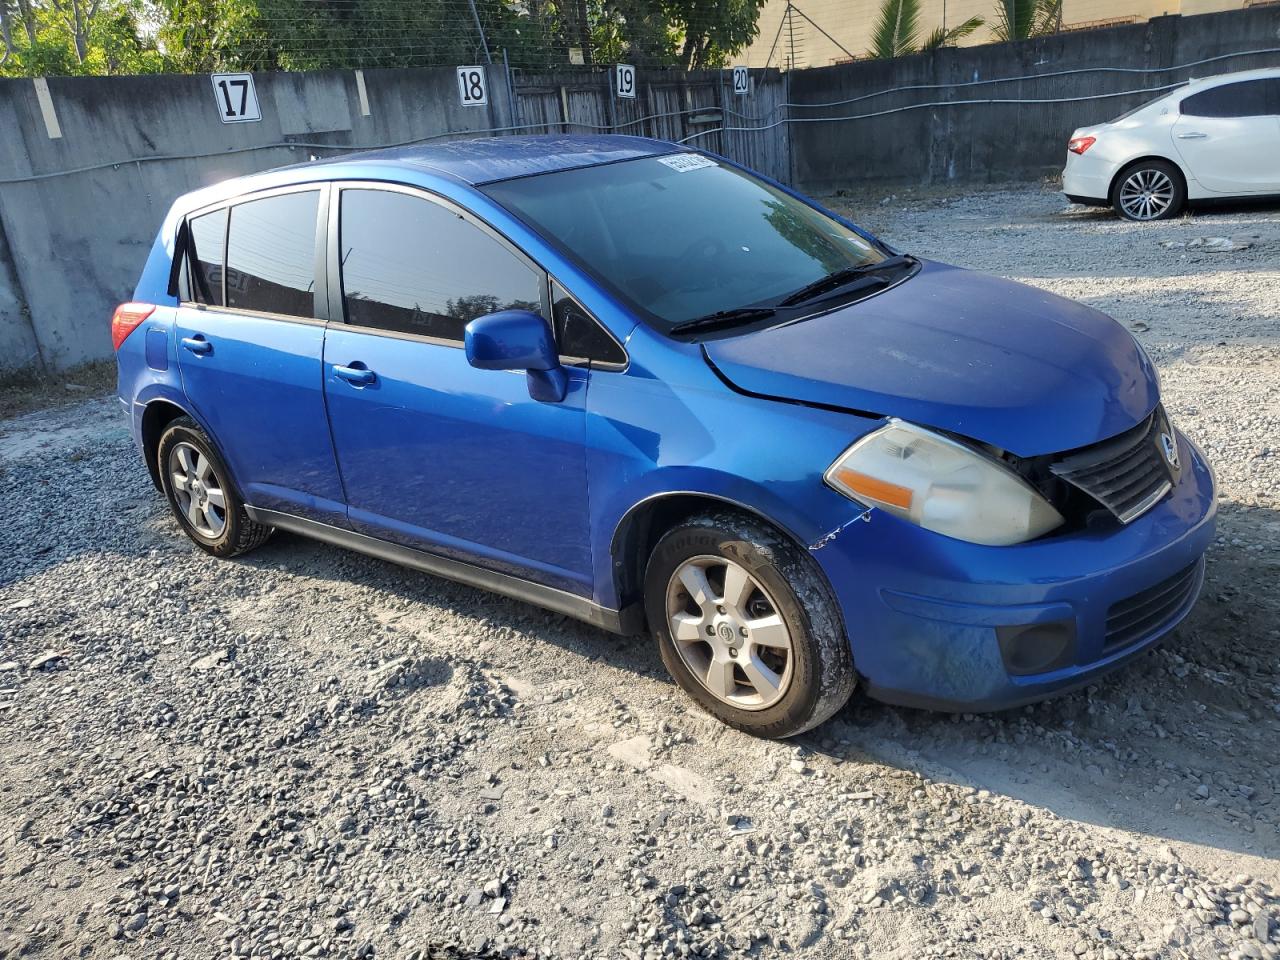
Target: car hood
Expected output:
[989,359]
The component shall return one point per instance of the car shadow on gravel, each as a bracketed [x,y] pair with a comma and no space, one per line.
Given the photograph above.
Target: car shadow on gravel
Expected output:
[1177,744]
[302,556]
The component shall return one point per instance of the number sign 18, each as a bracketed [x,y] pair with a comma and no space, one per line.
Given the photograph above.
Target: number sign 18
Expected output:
[626,81]
[471,86]
[236,97]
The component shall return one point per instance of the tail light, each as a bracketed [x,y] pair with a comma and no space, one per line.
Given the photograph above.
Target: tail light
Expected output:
[1081,144]
[126,319]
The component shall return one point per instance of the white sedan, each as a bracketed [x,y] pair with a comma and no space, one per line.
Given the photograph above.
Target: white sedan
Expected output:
[1213,138]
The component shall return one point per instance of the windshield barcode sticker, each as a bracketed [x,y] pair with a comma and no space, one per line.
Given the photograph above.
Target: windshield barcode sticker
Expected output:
[684,162]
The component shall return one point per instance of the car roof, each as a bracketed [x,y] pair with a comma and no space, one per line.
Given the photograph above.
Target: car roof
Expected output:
[1218,79]
[469,162]
[489,159]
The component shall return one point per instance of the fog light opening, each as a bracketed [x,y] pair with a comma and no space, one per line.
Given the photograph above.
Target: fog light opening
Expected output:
[1037,647]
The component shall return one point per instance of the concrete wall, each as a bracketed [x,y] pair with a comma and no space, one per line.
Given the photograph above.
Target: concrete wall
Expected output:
[990,142]
[79,212]
[76,242]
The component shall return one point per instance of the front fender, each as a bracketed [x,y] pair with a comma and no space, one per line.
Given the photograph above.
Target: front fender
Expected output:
[651,439]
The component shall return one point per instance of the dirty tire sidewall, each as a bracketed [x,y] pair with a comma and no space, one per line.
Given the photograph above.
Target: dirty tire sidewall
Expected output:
[240,533]
[822,676]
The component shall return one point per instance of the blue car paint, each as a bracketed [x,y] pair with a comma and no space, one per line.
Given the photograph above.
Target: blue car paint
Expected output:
[920,609]
[434,438]
[986,358]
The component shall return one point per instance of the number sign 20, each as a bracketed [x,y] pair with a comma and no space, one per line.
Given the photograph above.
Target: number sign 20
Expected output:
[471,87]
[626,81]
[236,97]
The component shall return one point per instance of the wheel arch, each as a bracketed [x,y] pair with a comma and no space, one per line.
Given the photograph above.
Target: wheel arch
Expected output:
[1124,169]
[156,416]
[644,524]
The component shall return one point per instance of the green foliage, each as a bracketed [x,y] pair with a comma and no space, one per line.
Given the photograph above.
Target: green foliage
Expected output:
[123,36]
[1021,19]
[897,31]
[949,38]
[75,37]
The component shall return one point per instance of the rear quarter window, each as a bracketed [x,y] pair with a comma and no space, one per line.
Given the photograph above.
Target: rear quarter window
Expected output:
[206,253]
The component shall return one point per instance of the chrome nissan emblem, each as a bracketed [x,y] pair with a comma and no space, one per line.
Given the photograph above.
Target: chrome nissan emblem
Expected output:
[1170,450]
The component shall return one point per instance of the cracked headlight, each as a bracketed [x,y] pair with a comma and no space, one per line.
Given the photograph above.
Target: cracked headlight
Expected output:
[941,485]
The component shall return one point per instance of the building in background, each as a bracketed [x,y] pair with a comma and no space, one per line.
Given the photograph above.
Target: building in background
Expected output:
[817,33]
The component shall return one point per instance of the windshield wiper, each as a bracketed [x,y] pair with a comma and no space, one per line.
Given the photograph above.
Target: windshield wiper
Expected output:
[724,318]
[869,272]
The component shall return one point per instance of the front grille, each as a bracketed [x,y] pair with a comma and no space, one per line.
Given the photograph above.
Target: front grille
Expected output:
[1140,615]
[1126,474]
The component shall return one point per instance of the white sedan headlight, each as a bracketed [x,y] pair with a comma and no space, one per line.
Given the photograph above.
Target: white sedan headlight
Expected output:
[941,485]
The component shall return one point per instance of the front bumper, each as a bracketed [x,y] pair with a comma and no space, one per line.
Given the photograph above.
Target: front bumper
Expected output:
[925,612]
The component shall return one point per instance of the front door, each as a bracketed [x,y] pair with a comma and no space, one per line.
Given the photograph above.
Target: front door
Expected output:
[250,341]
[1229,137]
[435,454]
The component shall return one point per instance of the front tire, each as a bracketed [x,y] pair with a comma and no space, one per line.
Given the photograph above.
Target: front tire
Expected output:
[1149,190]
[747,626]
[197,484]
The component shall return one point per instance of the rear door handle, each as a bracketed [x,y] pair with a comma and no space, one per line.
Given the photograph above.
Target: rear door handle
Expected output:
[197,344]
[360,376]
[1193,136]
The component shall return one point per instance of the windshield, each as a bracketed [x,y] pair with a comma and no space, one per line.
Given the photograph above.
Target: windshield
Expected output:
[683,236]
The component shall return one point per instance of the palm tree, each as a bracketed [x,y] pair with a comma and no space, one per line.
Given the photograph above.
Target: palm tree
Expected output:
[942,37]
[897,31]
[1020,19]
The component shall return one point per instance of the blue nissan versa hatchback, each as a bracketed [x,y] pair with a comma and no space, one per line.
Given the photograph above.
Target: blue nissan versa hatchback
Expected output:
[641,385]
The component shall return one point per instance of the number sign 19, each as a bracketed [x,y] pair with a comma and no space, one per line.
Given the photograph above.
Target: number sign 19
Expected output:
[626,81]
[741,81]
[236,97]
[471,86]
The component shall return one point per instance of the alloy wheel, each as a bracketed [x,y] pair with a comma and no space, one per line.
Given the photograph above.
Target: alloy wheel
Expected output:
[197,490]
[1146,194]
[729,633]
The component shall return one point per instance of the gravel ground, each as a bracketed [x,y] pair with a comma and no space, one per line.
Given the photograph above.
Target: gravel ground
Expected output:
[310,753]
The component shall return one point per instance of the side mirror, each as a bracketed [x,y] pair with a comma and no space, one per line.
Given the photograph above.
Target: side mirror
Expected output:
[518,340]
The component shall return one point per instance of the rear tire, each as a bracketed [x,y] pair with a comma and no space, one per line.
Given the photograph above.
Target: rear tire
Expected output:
[747,625]
[197,484]
[1149,190]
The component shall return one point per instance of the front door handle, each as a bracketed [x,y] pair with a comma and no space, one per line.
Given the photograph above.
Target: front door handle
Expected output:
[197,344]
[360,376]
[1193,136]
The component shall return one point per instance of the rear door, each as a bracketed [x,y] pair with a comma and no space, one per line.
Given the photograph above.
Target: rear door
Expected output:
[1229,136]
[250,335]
[435,454]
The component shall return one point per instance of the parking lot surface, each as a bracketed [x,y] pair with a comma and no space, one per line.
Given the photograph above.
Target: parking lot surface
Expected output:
[305,752]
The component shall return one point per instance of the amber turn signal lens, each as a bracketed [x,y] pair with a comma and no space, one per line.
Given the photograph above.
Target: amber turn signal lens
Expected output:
[875,489]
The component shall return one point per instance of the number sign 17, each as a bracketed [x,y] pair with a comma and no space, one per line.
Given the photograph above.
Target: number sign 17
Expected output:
[626,81]
[471,87]
[236,97]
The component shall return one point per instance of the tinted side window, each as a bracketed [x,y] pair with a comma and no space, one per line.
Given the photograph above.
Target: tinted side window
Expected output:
[1247,99]
[206,243]
[579,334]
[271,255]
[414,266]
